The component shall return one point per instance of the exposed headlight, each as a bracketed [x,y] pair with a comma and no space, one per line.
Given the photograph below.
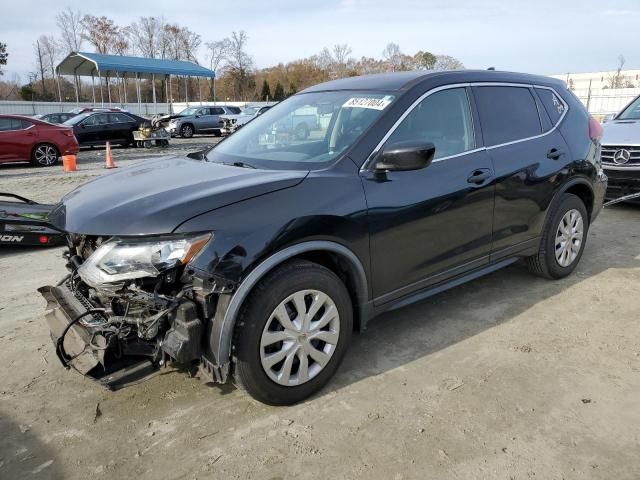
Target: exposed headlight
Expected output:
[126,259]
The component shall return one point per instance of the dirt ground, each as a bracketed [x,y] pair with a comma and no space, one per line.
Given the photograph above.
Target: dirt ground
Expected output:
[507,377]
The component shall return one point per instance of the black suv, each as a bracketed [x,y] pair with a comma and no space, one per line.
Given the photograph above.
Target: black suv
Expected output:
[259,259]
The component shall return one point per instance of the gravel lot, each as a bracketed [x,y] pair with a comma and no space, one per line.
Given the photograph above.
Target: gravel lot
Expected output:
[507,377]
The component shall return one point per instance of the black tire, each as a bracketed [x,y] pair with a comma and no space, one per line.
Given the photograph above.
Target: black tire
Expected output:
[301,131]
[286,280]
[544,263]
[186,131]
[45,155]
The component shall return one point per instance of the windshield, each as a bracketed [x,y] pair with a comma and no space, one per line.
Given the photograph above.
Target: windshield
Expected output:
[77,119]
[306,131]
[632,112]
[250,110]
[187,112]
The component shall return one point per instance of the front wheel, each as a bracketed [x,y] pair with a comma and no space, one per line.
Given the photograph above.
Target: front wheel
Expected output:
[186,131]
[563,239]
[292,333]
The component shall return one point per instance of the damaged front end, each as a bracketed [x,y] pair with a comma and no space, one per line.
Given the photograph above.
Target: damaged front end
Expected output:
[129,306]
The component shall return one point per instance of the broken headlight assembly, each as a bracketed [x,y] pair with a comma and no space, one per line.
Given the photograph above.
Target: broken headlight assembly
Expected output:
[121,259]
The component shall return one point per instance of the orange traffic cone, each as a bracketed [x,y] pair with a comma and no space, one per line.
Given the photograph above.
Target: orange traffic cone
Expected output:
[69,163]
[108,159]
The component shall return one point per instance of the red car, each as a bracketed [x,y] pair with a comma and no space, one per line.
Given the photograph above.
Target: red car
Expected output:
[26,139]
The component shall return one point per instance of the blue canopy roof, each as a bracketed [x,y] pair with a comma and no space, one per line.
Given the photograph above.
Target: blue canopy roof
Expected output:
[86,64]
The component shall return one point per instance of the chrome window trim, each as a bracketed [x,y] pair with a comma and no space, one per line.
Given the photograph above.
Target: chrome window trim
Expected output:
[365,165]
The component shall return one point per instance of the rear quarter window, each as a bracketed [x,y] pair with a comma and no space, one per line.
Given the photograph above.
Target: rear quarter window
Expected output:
[507,114]
[552,104]
[234,110]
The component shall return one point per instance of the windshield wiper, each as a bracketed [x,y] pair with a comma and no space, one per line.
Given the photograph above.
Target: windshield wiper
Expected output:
[238,164]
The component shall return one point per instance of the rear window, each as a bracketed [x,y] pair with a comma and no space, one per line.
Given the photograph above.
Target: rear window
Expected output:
[552,104]
[234,110]
[507,114]
[217,111]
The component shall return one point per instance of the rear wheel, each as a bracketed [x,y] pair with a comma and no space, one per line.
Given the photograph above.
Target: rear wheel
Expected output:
[45,155]
[563,240]
[186,131]
[292,333]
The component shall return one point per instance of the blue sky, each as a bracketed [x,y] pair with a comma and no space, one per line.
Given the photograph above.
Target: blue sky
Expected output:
[542,36]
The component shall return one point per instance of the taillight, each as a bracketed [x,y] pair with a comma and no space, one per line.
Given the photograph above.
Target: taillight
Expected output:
[595,129]
[43,239]
[67,132]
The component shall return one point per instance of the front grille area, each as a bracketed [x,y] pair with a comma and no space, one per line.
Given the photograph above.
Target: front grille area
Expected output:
[609,152]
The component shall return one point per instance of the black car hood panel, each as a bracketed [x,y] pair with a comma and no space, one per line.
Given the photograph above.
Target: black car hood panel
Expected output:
[155,196]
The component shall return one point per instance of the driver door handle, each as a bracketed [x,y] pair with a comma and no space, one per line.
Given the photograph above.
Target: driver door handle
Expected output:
[479,175]
[555,154]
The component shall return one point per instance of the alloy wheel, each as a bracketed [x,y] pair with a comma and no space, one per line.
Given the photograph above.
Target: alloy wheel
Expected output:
[569,237]
[46,155]
[187,131]
[300,337]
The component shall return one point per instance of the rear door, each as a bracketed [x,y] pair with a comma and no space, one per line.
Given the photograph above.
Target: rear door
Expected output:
[215,120]
[429,225]
[16,139]
[528,155]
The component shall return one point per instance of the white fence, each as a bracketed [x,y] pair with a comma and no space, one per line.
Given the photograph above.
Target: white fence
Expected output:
[145,109]
[601,102]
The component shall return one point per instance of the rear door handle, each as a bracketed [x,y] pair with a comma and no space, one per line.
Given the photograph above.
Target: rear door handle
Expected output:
[555,154]
[479,176]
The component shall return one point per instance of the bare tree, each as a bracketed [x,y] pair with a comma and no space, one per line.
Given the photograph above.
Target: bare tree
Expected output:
[392,55]
[101,32]
[3,55]
[51,48]
[146,36]
[180,43]
[341,53]
[424,60]
[71,28]
[218,52]
[240,62]
[617,79]
[40,61]
[447,62]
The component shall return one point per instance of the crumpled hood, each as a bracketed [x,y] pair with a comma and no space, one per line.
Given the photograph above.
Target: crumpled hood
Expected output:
[155,196]
[621,132]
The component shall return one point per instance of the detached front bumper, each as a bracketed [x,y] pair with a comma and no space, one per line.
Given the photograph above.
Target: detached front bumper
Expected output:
[80,349]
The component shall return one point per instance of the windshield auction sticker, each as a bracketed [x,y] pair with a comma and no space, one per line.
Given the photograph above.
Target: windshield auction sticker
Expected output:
[368,102]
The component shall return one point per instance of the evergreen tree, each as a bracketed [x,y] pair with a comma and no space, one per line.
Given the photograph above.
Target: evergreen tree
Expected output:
[265,95]
[278,94]
[292,89]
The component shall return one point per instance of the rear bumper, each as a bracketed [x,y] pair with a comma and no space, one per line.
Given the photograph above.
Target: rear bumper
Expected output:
[80,349]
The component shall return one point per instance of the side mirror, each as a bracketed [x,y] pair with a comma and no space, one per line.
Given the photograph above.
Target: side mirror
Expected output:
[608,117]
[197,116]
[404,156]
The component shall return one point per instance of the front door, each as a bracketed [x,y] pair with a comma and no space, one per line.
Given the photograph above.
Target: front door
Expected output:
[432,224]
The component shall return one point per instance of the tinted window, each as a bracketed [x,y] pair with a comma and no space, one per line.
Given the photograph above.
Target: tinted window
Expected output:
[443,118]
[217,111]
[24,124]
[552,104]
[5,124]
[507,114]
[118,118]
[91,121]
[234,110]
[13,124]
[103,119]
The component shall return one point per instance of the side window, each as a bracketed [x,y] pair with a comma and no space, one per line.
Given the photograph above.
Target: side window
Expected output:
[25,124]
[90,121]
[217,111]
[234,110]
[443,118]
[118,118]
[5,124]
[16,124]
[552,104]
[103,119]
[507,114]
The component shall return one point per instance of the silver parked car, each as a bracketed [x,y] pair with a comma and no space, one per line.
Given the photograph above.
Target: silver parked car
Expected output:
[194,120]
[621,151]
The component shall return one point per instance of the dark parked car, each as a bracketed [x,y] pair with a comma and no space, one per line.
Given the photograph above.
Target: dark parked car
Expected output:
[259,261]
[26,139]
[56,117]
[96,128]
[621,151]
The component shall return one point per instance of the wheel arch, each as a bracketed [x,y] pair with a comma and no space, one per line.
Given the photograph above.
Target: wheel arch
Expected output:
[332,255]
[581,188]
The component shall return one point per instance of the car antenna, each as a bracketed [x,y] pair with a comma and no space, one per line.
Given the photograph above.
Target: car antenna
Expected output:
[492,69]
